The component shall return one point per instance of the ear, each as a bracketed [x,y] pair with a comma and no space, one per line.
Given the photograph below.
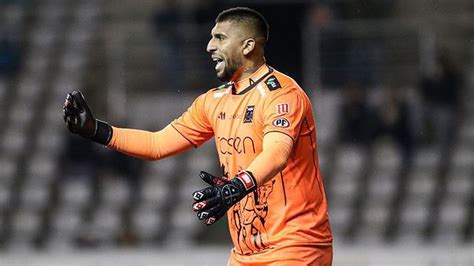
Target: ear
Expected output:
[249,46]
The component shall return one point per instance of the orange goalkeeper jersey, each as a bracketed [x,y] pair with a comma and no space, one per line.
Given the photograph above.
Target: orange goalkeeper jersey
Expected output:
[290,210]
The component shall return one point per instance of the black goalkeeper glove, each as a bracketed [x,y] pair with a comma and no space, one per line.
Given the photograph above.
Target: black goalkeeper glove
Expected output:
[79,119]
[213,202]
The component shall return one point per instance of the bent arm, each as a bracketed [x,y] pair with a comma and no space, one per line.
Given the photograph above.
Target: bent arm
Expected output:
[149,145]
[277,148]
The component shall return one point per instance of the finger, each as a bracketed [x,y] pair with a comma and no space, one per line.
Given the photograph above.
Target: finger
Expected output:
[79,101]
[206,177]
[69,103]
[71,117]
[199,205]
[210,212]
[213,219]
[202,215]
[205,204]
[203,194]
[70,111]
[211,179]
[69,124]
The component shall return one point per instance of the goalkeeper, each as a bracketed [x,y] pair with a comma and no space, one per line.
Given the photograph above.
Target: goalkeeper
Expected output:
[265,135]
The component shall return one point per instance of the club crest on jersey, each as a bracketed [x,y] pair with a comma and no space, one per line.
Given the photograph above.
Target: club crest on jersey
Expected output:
[248,118]
[282,108]
[272,83]
[281,122]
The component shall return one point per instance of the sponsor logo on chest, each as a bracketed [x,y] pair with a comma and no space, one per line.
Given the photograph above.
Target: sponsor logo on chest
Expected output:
[247,115]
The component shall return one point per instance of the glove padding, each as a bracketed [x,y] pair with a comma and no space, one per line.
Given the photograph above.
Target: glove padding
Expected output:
[213,202]
[80,120]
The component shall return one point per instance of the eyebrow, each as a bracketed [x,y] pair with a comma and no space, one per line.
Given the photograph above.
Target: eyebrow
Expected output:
[215,34]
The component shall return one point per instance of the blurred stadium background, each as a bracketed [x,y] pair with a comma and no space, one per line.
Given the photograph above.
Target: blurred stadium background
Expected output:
[392,83]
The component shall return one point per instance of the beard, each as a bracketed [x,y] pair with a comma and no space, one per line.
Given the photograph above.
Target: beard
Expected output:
[231,66]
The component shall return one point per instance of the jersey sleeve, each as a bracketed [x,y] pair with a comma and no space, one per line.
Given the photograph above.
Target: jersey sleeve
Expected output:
[148,145]
[284,111]
[274,156]
[193,124]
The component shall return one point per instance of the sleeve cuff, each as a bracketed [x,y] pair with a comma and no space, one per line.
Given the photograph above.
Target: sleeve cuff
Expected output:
[103,133]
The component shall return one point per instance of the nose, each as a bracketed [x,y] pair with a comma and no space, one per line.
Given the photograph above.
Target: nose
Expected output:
[211,47]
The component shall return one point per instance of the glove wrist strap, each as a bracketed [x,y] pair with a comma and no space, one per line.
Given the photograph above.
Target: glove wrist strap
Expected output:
[247,181]
[103,133]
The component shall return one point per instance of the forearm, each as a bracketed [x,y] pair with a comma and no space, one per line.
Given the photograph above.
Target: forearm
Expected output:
[148,145]
[273,159]
[212,202]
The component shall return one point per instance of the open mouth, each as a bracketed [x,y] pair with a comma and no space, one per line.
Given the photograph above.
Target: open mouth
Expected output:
[219,62]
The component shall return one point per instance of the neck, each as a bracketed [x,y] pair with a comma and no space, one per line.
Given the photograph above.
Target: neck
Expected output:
[247,70]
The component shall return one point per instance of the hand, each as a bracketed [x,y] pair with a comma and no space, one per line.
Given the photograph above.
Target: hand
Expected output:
[213,202]
[79,119]
[77,115]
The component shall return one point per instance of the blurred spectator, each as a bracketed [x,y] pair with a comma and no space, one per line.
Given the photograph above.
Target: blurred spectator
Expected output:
[359,121]
[441,91]
[364,123]
[334,43]
[368,9]
[12,17]
[342,57]
[365,61]
[9,57]
[169,48]
[396,122]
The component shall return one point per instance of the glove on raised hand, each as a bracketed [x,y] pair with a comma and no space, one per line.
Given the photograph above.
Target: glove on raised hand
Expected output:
[79,119]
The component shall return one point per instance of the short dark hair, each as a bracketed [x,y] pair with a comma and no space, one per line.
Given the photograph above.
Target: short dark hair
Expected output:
[248,17]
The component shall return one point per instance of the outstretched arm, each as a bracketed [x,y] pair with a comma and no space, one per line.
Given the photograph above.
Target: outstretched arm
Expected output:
[139,143]
[149,145]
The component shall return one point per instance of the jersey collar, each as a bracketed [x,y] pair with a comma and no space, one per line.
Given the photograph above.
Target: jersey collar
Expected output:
[242,86]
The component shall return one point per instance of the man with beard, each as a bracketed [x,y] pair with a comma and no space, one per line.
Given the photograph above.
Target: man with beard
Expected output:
[263,126]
